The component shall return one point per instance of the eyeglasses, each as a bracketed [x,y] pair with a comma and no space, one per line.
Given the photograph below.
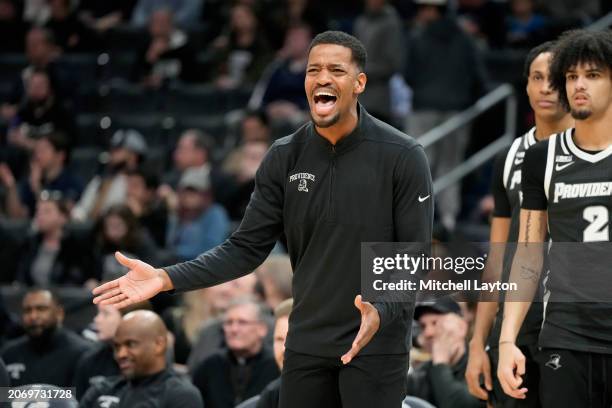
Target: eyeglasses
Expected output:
[239,322]
[51,195]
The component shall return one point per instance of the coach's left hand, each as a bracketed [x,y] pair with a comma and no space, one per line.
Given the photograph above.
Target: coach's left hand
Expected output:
[370,322]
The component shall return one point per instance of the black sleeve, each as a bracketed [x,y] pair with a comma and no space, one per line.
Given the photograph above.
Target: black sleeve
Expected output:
[500,197]
[449,391]
[90,398]
[412,212]
[532,177]
[249,246]
[183,396]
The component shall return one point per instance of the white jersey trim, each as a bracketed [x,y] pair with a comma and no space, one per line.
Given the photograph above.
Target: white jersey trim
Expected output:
[550,162]
[590,157]
[509,159]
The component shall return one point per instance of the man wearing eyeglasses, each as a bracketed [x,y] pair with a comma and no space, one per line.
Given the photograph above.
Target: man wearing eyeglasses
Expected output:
[246,366]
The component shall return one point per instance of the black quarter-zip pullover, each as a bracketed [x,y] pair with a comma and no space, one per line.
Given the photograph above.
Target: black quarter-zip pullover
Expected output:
[369,187]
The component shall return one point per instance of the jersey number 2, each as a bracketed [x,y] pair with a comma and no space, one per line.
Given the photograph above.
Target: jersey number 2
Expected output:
[599,227]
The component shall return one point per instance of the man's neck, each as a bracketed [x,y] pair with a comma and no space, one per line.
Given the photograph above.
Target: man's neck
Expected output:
[546,128]
[246,353]
[594,133]
[341,129]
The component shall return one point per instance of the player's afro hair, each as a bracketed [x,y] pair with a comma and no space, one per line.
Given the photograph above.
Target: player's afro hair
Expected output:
[358,51]
[579,47]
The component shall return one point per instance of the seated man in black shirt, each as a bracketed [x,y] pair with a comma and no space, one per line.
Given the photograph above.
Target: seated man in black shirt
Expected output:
[140,350]
[246,367]
[48,353]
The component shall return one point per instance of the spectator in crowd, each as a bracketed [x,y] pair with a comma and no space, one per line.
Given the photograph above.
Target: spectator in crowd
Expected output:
[199,223]
[241,51]
[482,19]
[284,98]
[150,210]
[380,30]
[210,339]
[118,230]
[102,16]
[52,255]
[525,27]
[187,13]
[460,79]
[48,171]
[41,53]
[41,112]
[140,344]
[242,172]
[295,13]
[167,56]
[12,28]
[246,367]
[584,11]
[275,276]
[193,150]
[48,353]
[36,12]
[70,33]
[270,396]
[443,335]
[99,362]
[127,151]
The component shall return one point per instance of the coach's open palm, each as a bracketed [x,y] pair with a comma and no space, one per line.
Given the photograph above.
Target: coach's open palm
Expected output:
[370,323]
[142,282]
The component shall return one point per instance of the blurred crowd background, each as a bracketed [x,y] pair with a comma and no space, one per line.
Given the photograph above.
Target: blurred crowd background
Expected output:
[138,125]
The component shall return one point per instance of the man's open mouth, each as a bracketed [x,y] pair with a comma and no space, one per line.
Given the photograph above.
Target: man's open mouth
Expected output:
[324,102]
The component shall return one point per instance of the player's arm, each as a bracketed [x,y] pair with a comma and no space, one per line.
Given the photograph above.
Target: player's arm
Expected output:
[526,270]
[479,364]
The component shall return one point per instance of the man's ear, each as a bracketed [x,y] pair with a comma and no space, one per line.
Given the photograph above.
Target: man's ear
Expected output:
[360,83]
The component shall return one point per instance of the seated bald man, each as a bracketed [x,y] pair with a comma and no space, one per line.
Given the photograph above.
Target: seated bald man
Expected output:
[140,351]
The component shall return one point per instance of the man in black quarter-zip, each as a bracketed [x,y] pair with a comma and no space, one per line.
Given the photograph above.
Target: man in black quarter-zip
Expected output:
[342,179]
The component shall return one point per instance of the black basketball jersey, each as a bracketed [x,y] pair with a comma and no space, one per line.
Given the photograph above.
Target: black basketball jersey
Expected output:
[511,179]
[578,187]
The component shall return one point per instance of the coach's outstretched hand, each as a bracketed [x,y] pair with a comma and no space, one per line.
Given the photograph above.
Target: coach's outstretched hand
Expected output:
[370,322]
[142,282]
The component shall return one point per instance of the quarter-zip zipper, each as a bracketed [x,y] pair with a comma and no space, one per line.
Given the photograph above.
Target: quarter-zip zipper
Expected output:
[332,172]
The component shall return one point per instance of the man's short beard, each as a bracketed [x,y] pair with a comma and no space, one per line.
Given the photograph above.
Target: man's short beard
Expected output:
[326,123]
[581,114]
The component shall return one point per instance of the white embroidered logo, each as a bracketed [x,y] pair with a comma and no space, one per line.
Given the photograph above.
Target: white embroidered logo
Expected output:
[554,362]
[303,180]
[107,401]
[15,370]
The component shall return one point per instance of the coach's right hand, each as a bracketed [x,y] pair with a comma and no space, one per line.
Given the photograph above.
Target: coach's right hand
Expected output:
[510,369]
[142,282]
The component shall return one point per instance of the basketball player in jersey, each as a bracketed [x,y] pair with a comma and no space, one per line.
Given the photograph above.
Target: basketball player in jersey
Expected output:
[550,117]
[567,186]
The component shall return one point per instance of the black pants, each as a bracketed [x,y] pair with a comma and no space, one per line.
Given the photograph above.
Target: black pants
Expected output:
[321,382]
[575,379]
[499,399]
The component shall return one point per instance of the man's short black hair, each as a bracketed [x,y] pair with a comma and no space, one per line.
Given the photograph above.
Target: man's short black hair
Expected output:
[150,177]
[579,47]
[548,46]
[358,51]
[59,141]
[38,289]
